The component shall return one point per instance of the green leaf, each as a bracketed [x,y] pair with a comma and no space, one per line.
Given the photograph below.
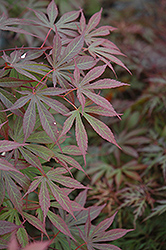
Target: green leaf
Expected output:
[81,136]
[11,82]
[41,151]
[73,49]
[102,129]
[29,119]
[48,122]
[61,197]
[14,193]
[31,158]
[2,190]
[68,123]
[55,105]
[59,223]
[52,12]
[35,222]
[6,145]
[34,185]
[56,176]
[6,166]
[44,198]
[39,137]
[7,227]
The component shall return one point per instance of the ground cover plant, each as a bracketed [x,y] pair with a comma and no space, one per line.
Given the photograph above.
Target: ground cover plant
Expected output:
[45,92]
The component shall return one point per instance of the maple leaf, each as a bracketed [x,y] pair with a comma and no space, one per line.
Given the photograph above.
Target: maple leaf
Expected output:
[7,24]
[94,237]
[8,179]
[7,227]
[47,120]
[81,136]
[99,47]
[57,176]
[84,87]
[62,62]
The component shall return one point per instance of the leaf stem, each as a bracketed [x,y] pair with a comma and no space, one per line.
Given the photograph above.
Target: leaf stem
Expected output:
[46,38]
[43,78]
[70,91]
[70,102]
[81,245]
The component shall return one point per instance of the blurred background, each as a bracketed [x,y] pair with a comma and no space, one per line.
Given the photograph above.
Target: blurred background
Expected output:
[131,180]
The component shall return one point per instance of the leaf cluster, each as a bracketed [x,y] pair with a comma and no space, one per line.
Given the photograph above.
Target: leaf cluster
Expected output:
[44,92]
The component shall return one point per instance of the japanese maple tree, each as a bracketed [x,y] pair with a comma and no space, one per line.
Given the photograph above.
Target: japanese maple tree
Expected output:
[61,78]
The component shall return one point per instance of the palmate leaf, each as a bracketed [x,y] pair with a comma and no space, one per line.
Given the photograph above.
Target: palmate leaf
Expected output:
[7,227]
[13,192]
[85,88]
[58,193]
[93,237]
[7,24]
[62,62]
[47,120]
[65,23]
[96,46]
